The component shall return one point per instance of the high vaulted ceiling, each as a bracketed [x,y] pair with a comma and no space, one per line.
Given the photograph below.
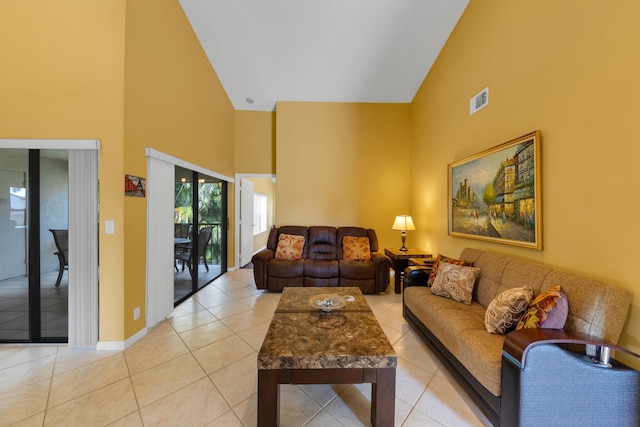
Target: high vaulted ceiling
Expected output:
[265,51]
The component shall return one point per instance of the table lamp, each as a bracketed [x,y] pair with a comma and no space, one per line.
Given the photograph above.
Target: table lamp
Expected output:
[403,223]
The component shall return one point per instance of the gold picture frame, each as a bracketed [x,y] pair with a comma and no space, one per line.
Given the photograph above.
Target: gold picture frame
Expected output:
[495,195]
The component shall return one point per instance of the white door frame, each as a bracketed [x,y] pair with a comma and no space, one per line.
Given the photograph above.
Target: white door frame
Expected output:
[159,235]
[236,228]
[83,232]
[245,221]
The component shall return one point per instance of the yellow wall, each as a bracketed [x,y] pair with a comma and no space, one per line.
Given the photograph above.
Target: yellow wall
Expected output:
[255,142]
[343,164]
[133,75]
[174,103]
[62,76]
[569,69]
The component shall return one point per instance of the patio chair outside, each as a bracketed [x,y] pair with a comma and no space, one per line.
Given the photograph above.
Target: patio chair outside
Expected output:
[61,238]
[204,235]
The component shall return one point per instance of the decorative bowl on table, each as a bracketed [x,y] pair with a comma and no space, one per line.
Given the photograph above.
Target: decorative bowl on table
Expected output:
[327,302]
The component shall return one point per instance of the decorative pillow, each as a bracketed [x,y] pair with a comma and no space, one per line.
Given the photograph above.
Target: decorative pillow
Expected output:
[436,264]
[455,282]
[548,310]
[290,246]
[356,248]
[505,310]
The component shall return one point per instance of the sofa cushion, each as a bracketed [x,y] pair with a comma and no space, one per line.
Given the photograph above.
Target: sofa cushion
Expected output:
[455,282]
[282,268]
[460,328]
[290,247]
[355,248]
[441,258]
[357,269]
[323,269]
[547,310]
[506,309]
[322,243]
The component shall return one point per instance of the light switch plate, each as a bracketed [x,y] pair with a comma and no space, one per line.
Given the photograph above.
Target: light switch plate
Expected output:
[109,227]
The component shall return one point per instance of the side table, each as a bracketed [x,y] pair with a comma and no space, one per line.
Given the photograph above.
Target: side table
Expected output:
[400,261]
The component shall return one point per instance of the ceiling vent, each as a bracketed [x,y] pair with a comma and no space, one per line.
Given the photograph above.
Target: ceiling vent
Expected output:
[479,101]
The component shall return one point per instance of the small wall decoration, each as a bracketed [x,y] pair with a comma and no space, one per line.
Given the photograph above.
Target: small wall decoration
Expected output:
[134,186]
[495,195]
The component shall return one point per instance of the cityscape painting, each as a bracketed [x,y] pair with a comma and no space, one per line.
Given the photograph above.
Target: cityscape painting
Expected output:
[495,195]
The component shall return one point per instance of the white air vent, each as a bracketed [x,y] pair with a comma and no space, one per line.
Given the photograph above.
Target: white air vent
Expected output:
[479,101]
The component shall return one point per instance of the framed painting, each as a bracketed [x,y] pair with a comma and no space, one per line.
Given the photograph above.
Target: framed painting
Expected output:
[134,186]
[495,195]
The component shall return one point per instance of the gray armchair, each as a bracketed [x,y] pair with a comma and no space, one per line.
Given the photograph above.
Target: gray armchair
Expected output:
[546,382]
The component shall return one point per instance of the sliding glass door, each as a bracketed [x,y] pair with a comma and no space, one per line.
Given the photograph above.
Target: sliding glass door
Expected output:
[199,231]
[34,219]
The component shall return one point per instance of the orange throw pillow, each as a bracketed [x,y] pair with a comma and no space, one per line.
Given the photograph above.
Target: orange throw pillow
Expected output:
[290,247]
[356,248]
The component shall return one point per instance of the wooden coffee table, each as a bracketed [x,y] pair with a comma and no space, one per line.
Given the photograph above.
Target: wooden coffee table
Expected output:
[306,346]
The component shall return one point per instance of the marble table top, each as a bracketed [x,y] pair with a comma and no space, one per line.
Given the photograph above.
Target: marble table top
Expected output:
[295,299]
[316,340]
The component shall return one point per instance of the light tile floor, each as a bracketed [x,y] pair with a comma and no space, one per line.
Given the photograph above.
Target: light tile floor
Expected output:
[198,368]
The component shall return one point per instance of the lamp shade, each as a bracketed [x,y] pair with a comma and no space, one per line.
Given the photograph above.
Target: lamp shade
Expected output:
[403,223]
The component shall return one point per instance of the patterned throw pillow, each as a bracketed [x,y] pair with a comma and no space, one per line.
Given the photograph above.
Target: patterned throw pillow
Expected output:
[289,246]
[436,264]
[455,282]
[356,248]
[548,310]
[505,310]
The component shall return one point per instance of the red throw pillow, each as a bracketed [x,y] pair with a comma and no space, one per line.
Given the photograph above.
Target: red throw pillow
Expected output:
[548,310]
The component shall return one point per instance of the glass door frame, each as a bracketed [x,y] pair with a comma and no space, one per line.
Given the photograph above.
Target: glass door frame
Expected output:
[197,179]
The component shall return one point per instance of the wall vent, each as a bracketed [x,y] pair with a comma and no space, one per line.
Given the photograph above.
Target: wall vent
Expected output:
[479,101]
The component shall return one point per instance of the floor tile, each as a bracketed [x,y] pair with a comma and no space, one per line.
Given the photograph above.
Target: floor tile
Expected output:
[296,406]
[194,405]
[444,404]
[26,373]
[228,419]
[323,419]
[245,320]
[162,380]
[191,320]
[205,335]
[228,309]
[88,378]
[412,349]
[74,358]
[411,381]
[238,381]
[99,407]
[220,354]
[14,355]
[255,336]
[141,357]
[247,410]
[198,368]
[24,402]
[131,420]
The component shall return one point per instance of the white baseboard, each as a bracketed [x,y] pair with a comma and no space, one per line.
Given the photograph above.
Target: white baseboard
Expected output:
[121,345]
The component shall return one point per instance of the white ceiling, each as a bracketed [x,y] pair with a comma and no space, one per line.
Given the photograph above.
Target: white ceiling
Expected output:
[321,50]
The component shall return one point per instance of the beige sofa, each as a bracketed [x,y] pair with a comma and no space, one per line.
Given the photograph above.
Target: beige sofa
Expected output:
[457,331]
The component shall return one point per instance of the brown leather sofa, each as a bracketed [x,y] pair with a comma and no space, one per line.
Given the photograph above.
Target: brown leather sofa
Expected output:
[322,263]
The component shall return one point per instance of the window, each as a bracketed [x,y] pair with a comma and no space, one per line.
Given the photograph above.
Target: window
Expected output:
[259,213]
